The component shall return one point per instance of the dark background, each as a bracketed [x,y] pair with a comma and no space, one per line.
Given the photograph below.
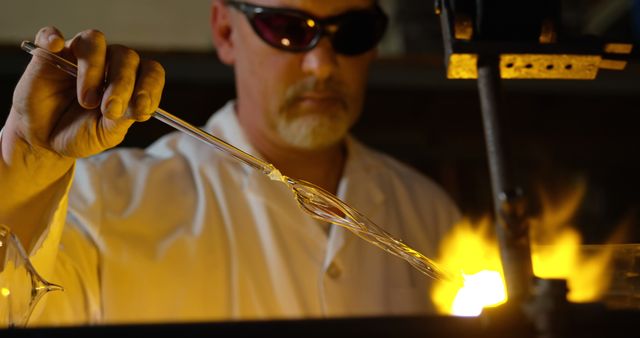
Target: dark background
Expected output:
[557,132]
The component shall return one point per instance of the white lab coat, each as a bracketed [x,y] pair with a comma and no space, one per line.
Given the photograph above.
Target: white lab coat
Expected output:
[180,232]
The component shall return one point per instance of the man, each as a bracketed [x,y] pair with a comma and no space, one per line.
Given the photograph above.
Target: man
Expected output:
[180,232]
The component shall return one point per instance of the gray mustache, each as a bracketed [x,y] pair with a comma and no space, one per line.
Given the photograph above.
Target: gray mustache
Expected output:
[312,84]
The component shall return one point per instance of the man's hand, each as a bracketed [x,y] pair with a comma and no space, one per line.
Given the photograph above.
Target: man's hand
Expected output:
[54,112]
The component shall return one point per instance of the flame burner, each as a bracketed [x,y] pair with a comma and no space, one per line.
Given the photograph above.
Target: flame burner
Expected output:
[494,40]
[508,199]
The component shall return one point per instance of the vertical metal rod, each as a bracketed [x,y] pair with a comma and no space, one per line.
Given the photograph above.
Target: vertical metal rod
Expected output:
[510,218]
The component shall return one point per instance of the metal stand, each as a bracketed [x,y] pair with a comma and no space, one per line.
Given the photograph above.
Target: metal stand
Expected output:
[494,40]
[509,204]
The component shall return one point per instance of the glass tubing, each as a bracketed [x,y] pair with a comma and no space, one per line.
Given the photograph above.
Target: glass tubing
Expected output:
[312,199]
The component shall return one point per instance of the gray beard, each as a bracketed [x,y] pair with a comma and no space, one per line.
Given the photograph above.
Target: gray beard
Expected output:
[312,132]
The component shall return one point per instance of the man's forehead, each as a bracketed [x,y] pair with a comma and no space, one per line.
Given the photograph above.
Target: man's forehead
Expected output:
[317,7]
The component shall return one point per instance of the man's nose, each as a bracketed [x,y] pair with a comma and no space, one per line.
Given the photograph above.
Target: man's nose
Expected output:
[321,61]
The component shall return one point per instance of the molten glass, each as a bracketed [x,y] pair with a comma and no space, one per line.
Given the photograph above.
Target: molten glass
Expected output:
[483,289]
[470,249]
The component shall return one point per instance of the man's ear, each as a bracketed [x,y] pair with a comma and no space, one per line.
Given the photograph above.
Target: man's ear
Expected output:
[221,32]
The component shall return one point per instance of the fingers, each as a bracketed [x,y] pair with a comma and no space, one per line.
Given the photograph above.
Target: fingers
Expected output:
[121,77]
[110,77]
[134,87]
[140,94]
[90,48]
[147,92]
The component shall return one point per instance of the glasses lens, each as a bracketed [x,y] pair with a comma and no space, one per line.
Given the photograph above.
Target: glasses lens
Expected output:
[359,31]
[285,30]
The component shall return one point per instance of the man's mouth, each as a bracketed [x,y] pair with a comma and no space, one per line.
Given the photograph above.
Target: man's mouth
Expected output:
[320,96]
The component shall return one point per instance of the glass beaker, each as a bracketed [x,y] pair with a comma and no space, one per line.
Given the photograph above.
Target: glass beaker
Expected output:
[21,287]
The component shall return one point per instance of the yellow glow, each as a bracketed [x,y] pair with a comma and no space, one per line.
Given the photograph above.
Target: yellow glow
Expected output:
[472,250]
[285,42]
[5,292]
[556,248]
[480,290]
[311,23]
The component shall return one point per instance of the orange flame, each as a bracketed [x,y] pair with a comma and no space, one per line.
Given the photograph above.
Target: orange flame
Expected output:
[472,250]
[556,248]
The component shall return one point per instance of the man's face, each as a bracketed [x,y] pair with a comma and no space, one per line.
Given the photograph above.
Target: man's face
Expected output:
[304,100]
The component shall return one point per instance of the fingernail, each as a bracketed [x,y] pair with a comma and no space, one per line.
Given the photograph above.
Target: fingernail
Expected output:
[91,98]
[143,117]
[113,109]
[52,38]
[143,102]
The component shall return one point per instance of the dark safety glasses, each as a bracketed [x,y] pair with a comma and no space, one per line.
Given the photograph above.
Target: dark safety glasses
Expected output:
[351,33]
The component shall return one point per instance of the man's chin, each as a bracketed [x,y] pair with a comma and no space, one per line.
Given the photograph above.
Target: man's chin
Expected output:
[313,133]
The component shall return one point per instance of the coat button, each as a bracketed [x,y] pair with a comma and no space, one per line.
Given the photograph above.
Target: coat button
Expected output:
[334,271]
